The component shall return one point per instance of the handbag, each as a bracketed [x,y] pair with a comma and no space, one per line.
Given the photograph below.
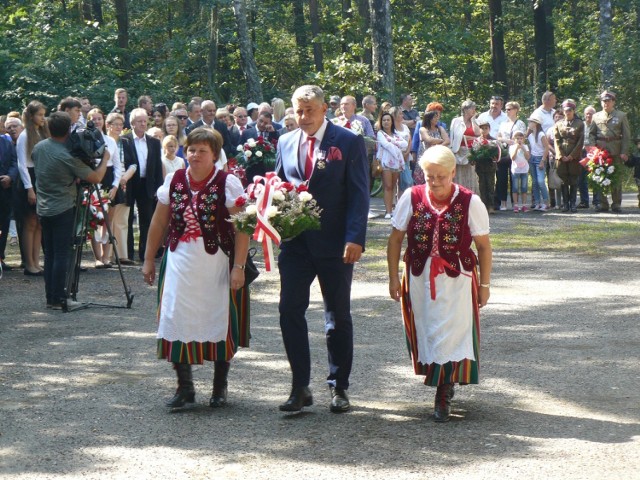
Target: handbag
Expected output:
[554,181]
[251,272]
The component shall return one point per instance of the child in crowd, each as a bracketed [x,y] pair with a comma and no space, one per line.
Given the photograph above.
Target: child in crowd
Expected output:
[539,146]
[156,132]
[520,156]
[170,162]
[634,162]
[486,167]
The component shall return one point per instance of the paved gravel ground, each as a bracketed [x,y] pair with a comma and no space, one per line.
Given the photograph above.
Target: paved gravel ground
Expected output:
[81,394]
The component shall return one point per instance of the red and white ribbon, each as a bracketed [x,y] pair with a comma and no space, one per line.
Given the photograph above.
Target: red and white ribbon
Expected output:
[263,189]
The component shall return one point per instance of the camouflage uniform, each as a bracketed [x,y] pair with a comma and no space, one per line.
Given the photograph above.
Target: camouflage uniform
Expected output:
[610,131]
[568,138]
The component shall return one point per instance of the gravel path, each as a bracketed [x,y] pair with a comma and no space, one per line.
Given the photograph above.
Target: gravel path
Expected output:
[82,393]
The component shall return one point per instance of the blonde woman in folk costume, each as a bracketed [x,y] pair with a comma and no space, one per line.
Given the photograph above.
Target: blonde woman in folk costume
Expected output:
[441,291]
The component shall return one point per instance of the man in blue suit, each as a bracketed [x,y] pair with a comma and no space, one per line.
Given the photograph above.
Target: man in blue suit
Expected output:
[333,162]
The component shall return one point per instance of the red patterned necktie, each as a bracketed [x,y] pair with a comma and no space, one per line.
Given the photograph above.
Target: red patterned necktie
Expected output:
[308,163]
[347,125]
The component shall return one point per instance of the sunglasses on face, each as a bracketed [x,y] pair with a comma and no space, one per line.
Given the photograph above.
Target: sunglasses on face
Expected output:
[182,117]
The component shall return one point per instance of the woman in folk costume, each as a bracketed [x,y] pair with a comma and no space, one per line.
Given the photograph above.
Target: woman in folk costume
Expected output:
[440,290]
[203,310]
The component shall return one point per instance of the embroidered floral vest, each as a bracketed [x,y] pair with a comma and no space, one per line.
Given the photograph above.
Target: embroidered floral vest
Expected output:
[211,212]
[454,236]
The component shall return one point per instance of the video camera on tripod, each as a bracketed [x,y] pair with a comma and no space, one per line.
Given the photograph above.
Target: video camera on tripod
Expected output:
[87,144]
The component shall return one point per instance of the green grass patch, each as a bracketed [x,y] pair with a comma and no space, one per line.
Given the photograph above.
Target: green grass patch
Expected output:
[587,238]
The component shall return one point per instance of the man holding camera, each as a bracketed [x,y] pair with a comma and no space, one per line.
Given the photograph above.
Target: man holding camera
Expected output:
[56,174]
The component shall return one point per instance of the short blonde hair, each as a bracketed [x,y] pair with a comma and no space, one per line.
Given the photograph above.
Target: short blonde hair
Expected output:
[169,139]
[438,155]
[515,105]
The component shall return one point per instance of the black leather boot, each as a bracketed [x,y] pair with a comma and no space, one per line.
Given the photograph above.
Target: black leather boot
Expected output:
[573,198]
[185,396]
[565,198]
[219,395]
[442,408]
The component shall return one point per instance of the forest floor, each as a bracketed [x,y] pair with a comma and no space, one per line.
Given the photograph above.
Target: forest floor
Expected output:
[82,393]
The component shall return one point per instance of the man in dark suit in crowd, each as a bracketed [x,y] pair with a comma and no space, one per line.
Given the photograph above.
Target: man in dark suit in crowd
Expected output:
[145,152]
[333,161]
[263,129]
[208,112]
[8,176]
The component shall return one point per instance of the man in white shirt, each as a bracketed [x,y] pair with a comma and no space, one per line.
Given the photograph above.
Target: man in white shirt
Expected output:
[145,152]
[495,116]
[545,111]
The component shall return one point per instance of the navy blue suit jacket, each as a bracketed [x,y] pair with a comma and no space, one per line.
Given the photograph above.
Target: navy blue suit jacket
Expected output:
[8,159]
[222,129]
[340,186]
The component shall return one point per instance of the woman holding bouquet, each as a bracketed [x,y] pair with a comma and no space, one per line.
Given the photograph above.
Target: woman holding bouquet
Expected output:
[203,307]
[440,291]
[391,146]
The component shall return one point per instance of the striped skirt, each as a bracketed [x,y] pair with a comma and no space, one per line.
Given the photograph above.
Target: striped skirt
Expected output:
[238,332]
[462,372]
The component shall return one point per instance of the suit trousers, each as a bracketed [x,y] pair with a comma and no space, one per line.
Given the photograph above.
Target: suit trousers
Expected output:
[145,206]
[298,268]
[5,218]
[503,179]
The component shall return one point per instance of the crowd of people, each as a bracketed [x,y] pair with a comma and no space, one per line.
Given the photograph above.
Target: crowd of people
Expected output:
[169,168]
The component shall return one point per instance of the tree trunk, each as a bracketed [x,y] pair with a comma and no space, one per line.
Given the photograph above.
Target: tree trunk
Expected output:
[247,60]
[552,71]
[382,45]
[96,8]
[86,10]
[347,17]
[300,31]
[189,8]
[212,64]
[541,48]
[314,19]
[606,40]
[498,57]
[365,15]
[467,12]
[122,18]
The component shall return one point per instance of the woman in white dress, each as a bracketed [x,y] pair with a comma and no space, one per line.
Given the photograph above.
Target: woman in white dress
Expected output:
[203,307]
[464,130]
[390,153]
[110,186]
[440,290]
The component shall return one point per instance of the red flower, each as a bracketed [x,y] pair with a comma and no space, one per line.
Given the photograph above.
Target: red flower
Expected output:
[287,186]
[247,147]
[302,188]
[241,201]
[267,148]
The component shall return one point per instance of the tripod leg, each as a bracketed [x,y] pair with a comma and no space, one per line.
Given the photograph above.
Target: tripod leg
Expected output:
[111,241]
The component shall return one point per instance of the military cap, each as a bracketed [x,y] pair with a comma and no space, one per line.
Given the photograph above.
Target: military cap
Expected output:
[608,95]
